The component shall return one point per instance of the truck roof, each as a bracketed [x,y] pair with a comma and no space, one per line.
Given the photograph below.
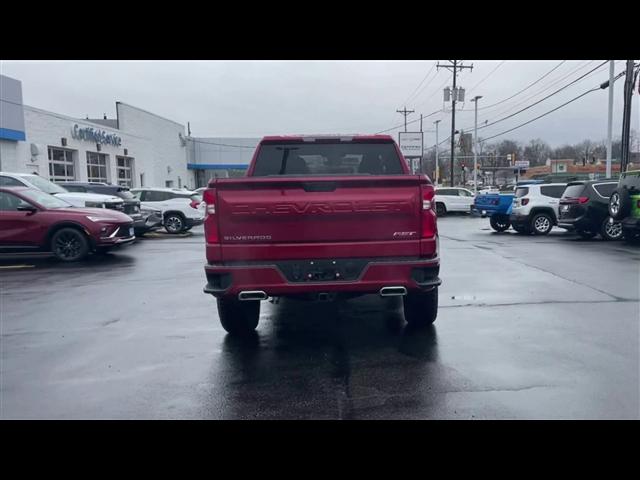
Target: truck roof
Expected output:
[347,137]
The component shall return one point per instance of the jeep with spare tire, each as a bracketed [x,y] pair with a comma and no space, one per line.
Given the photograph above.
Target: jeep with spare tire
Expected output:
[624,205]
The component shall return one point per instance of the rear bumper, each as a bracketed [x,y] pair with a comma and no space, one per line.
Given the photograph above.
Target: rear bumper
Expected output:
[413,274]
[193,222]
[581,223]
[519,220]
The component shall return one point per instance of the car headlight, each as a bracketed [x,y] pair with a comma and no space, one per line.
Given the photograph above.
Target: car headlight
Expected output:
[93,204]
[99,219]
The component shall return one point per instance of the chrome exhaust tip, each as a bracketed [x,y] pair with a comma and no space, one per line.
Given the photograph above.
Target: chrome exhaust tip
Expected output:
[252,295]
[392,291]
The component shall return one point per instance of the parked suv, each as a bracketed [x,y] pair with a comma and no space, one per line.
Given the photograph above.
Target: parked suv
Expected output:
[76,199]
[584,209]
[32,220]
[145,219]
[535,208]
[453,200]
[624,205]
[181,209]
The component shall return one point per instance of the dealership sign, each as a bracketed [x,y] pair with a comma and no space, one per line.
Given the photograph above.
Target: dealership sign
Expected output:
[411,144]
[94,135]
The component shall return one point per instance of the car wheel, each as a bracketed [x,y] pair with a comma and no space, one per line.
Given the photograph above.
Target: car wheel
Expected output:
[174,223]
[611,230]
[541,224]
[238,318]
[586,234]
[69,245]
[441,210]
[619,203]
[421,308]
[499,223]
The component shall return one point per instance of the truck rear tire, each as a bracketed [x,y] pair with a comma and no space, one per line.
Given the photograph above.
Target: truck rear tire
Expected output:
[421,309]
[238,318]
[499,223]
[441,210]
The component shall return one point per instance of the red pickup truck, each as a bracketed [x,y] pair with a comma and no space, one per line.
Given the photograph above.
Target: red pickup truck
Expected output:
[321,218]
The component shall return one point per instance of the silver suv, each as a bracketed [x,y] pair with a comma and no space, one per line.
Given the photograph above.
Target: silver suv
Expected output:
[535,208]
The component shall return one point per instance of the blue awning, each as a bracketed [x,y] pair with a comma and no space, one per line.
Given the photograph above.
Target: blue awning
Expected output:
[217,166]
[8,134]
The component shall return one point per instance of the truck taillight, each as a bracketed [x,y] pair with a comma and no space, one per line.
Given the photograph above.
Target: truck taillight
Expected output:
[583,199]
[210,219]
[429,227]
[194,204]
[524,201]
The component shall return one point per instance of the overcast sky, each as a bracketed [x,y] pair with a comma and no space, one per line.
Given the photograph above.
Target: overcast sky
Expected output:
[255,98]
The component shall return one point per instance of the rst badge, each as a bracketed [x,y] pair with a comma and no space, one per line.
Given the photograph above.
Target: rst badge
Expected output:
[404,234]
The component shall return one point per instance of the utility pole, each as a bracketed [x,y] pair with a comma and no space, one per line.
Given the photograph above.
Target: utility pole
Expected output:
[437,148]
[475,146]
[405,112]
[454,67]
[610,124]
[422,152]
[626,117]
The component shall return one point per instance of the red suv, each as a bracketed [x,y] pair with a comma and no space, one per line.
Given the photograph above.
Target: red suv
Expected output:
[31,220]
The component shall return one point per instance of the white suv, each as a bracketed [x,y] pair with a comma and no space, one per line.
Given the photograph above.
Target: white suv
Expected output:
[181,209]
[453,200]
[77,199]
[535,208]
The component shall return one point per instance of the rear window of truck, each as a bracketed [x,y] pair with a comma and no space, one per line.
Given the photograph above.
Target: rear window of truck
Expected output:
[521,191]
[327,159]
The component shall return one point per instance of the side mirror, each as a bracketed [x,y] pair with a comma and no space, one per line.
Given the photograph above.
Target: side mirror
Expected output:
[27,208]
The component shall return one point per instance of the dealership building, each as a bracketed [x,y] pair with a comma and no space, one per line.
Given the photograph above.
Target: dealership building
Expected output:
[136,149]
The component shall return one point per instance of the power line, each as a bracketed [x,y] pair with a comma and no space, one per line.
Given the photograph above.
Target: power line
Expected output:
[481,81]
[408,123]
[219,144]
[601,86]
[437,90]
[548,87]
[525,88]
[539,101]
[421,82]
[543,115]
[543,99]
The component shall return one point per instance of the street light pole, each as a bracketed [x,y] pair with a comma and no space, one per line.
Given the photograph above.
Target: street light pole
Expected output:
[475,145]
[437,148]
[610,124]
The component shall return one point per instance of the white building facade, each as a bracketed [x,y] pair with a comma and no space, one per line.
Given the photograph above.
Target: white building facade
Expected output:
[137,148]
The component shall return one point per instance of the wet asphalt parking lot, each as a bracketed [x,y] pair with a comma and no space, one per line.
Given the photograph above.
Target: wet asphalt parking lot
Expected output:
[528,328]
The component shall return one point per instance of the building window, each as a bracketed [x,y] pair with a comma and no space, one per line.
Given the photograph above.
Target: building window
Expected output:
[125,171]
[97,167]
[61,166]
